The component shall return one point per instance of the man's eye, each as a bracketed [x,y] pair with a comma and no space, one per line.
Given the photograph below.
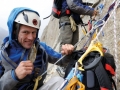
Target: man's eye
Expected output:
[34,32]
[25,32]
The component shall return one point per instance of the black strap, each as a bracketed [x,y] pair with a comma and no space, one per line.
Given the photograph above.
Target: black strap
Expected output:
[87,3]
[114,84]
[47,16]
[63,24]
[103,78]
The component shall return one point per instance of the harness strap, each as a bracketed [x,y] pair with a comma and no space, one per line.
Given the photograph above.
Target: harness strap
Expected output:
[67,11]
[87,3]
[62,12]
[114,84]
[59,13]
[63,24]
[103,79]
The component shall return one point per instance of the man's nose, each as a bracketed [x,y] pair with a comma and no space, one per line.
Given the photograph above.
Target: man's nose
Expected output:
[31,36]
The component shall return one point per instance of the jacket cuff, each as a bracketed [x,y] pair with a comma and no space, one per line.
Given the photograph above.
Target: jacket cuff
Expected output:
[14,75]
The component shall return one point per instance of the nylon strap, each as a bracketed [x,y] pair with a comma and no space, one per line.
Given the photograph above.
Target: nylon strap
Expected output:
[103,79]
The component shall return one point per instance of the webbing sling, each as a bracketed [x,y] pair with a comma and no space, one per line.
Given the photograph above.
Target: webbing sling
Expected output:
[74,83]
[32,54]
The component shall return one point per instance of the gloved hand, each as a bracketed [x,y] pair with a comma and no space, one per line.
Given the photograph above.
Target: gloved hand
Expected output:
[95,13]
[73,24]
[67,49]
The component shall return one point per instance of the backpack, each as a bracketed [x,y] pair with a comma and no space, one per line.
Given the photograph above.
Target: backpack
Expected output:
[56,9]
[98,77]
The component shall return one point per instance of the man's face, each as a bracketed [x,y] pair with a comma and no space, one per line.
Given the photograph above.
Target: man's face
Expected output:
[27,36]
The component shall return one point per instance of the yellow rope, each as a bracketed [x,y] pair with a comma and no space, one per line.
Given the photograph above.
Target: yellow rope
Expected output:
[36,82]
[84,32]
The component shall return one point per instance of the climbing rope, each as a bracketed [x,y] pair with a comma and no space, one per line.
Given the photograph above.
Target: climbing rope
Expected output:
[96,38]
[115,38]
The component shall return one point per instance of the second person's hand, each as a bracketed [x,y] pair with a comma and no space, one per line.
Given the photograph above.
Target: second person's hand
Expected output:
[67,49]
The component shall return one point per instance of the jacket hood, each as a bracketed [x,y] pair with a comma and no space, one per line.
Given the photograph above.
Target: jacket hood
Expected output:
[13,16]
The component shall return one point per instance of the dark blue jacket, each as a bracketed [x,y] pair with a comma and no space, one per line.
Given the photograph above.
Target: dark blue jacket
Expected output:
[77,8]
[12,53]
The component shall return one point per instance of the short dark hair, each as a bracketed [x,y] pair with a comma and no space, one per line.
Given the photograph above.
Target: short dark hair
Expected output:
[16,29]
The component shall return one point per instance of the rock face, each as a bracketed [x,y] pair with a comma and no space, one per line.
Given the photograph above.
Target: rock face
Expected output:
[51,32]
[109,37]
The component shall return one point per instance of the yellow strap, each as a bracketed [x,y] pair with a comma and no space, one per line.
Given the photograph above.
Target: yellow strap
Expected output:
[94,46]
[95,34]
[84,32]
[36,82]
[73,24]
[73,83]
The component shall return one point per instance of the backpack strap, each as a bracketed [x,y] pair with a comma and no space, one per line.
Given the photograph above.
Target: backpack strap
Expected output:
[5,58]
[103,78]
[113,82]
